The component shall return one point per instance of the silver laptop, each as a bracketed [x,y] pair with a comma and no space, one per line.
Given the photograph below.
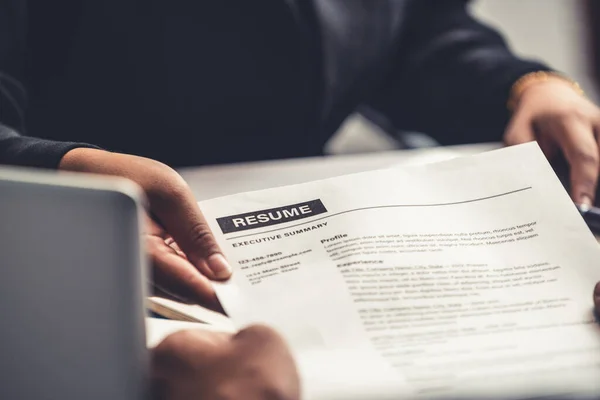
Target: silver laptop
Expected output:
[71,288]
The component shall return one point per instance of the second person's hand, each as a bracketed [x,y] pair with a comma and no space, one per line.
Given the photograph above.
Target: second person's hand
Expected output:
[563,122]
[184,253]
[253,364]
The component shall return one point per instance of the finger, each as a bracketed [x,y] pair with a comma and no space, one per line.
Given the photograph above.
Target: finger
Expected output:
[201,264]
[521,130]
[169,241]
[183,220]
[579,146]
[154,229]
[259,342]
[177,277]
[257,337]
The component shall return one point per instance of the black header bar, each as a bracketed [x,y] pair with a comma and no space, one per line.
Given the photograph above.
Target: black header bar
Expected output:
[271,216]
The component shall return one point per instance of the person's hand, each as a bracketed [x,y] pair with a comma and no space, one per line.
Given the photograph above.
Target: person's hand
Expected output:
[561,120]
[254,364]
[182,248]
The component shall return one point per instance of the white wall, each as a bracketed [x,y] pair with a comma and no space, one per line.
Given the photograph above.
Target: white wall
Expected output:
[550,30]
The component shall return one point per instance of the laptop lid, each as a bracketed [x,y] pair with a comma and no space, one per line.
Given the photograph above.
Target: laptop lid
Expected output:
[71,288]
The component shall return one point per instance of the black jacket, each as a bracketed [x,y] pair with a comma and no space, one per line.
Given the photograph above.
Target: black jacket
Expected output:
[195,82]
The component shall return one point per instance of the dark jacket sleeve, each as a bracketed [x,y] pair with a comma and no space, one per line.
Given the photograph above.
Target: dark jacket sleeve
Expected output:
[452,75]
[16,149]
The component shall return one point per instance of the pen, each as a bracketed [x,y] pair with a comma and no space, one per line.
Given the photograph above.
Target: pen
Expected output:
[591,216]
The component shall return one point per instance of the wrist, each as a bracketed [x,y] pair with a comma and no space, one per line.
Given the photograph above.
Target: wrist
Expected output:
[80,159]
[527,81]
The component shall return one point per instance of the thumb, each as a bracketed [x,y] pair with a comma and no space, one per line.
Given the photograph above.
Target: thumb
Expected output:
[176,209]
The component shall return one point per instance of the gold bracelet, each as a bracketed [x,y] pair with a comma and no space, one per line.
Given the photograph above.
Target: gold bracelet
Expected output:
[532,78]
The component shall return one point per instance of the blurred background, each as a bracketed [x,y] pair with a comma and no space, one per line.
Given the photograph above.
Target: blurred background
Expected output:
[563,33]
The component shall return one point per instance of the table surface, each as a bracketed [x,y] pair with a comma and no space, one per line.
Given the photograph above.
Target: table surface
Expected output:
[221,180]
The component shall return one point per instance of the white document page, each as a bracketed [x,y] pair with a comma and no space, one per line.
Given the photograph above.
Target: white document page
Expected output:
[470,277]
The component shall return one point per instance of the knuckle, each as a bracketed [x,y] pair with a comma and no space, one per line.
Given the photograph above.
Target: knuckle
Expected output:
[561,119]
[167,355]
[176,343]
[202,237]
[155,246]
[576,114]
[586,156]
[259,333]
[261,343]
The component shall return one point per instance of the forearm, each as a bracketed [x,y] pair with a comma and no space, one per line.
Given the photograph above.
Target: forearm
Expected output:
[452,77]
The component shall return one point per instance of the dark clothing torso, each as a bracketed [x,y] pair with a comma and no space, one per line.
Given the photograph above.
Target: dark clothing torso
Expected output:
[176,80]
[201,82]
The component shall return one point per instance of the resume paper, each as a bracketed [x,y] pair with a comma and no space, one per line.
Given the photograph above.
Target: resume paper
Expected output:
[470,277]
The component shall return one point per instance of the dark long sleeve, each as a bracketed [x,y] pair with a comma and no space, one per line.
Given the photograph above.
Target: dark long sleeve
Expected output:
[16,149]
[452,75]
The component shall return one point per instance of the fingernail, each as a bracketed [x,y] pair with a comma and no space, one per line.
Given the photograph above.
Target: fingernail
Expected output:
[219,266]
[585,201]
